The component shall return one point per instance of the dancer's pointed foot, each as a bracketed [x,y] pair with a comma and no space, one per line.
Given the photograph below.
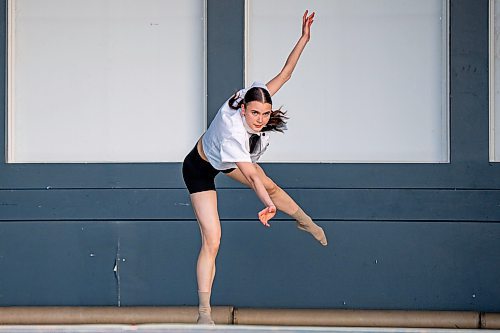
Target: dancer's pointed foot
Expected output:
[305,223]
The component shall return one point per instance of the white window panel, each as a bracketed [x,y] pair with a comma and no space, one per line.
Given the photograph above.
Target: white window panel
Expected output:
[371,86]
[105,80]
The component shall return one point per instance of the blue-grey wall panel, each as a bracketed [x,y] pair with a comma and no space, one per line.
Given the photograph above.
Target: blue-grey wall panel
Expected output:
[55,263]
[472,175]
[338,204]
[93,175]
[475,175]
[370,265]
[367,265]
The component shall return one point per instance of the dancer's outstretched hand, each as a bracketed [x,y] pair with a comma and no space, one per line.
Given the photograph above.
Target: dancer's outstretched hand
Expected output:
[307,21]
[266,214]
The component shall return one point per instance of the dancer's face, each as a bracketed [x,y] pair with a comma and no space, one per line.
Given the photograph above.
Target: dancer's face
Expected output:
[257,114]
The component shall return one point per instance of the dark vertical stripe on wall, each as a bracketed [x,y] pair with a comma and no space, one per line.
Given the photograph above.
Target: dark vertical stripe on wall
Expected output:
[469,81]
[225,47]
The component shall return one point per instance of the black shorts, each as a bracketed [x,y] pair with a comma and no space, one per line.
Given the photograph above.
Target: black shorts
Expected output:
[199,175]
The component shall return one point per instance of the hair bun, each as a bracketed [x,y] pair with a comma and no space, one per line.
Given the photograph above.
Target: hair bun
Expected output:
[237,99]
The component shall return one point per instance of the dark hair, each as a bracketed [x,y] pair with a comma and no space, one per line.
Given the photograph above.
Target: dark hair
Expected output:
[276,120]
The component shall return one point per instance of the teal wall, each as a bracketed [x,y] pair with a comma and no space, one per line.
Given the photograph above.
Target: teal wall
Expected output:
[401,236]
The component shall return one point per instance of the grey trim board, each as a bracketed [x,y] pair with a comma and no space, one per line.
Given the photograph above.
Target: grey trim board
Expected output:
[413,205]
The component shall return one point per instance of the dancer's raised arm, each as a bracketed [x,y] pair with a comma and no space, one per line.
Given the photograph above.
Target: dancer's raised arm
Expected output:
[286,73]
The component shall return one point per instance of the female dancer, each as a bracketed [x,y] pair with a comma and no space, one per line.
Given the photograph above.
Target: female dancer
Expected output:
[232,144]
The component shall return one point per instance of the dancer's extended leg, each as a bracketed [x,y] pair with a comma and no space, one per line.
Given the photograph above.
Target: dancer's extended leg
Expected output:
[284,203]
[205,208]
[305,223]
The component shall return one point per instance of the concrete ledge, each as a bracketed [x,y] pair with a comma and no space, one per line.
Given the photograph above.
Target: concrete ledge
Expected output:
[108,315]
[490,320]
[357,318]
[227,315]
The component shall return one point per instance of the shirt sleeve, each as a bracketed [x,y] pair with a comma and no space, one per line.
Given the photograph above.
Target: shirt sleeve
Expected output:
[232,150]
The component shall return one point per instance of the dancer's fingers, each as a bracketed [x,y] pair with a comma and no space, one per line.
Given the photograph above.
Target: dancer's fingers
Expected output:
[263,218]
[266,214]
[310,18]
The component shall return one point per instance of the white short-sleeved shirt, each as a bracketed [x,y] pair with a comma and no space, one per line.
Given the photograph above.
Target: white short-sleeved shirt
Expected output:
[226,141]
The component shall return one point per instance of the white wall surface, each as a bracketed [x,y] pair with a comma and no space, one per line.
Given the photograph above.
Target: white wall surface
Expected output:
[105,80]
[371,86]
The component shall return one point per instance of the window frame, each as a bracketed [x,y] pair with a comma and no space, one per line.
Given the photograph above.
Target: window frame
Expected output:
[468,167]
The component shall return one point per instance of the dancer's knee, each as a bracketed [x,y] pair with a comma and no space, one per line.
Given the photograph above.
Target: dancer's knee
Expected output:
[211,244]
[271,187]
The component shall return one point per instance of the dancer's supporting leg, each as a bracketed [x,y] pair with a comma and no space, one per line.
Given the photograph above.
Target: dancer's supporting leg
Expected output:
[205,208]
[284,203]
